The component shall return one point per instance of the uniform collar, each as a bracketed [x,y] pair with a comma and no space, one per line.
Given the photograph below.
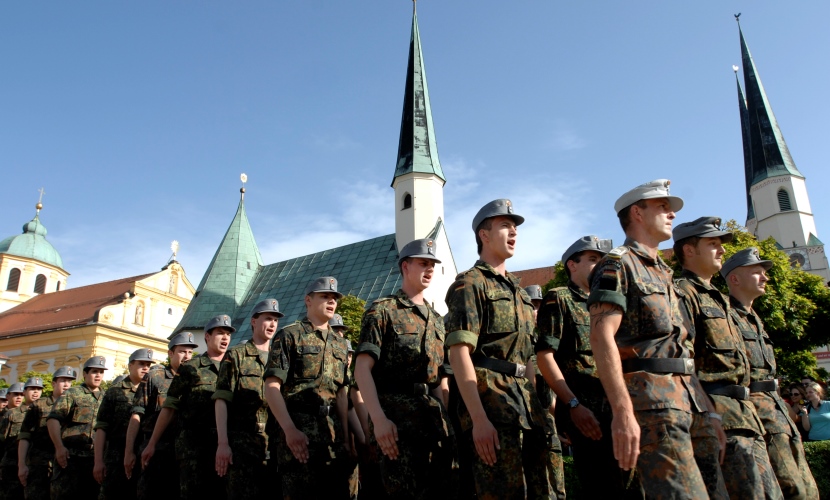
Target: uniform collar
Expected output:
[575,290]
[738,306]
[697,280]
[642,252]
[403,298]
[250,348]
[485,267]
[126,384]
[309,328]
[204,360]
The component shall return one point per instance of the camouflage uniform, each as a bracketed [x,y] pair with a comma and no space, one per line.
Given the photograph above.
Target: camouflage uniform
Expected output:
[241,385]
[565,328]
[160,478]
[113,418]
[786,453]
[494,314]
[723,366]
[41,450]
[407,342]
[312,367]
[190,395]
[10,487]
[76,410]
[679,448]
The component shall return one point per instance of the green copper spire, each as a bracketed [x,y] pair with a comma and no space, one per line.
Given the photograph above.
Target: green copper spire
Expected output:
[417,149]
[750,210]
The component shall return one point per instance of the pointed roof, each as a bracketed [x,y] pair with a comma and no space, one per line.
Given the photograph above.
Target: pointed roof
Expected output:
[768,153]
[228,277]
[417,149]
[748,176]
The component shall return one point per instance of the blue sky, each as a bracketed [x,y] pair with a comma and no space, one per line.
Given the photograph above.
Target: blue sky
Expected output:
[138,117]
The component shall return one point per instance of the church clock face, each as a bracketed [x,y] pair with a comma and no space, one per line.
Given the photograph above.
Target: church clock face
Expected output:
[799,259]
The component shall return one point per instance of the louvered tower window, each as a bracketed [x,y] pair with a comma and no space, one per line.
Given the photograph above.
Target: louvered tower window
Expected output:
[407,201]
[14,280]
[784,200]
[40,284]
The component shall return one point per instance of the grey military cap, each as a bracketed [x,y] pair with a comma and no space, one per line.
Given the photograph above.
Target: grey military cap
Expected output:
[535,292]
[648,191]
[590,242]
[142,355]
[336,322]
[96,362]
[419,249]
[494,209]
[221,321]
[326,284]
[704,227]
[746,257]
[183,338]
[349,345]
[65,372]
[33,382]
[267,306]
[16,387]
[3,393]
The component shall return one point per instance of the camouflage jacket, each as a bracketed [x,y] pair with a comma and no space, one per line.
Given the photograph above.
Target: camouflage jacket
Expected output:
[653,325]
[190,395]
[149,400]
[76,410]
[718,350]
[41,449]
[407,343]
[9,431]
[241,385]
[114,417]
[770,407]
[494,315]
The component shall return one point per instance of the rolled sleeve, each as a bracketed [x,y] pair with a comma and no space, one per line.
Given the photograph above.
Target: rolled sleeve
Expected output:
[223,394]
[171,402]
[462,337]
[462,321]
[368,348]
[608,284]
[547,343]
[278,362]
[608,297]
[137,410]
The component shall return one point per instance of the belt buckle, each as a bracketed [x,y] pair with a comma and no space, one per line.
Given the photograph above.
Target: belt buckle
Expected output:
[325,411]
[420,390]
[746,392]
[260,427]
[520,371]
[775,380]
[689,365]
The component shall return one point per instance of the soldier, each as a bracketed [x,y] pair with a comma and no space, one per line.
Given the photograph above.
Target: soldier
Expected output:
[356,436]
[20,397]
[745,273]
[36,451]
[189,398]
[4,402]
[111,429]
[490,335]
[241,409]
[70,425]
[305,386]
[398,366]
[160,478]
[640,337]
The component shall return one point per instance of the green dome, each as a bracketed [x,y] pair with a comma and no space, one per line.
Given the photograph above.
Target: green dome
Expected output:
[32,244]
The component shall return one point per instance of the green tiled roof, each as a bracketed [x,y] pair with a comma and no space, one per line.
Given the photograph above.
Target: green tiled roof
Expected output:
[367,269]
[32,244]
[813,241]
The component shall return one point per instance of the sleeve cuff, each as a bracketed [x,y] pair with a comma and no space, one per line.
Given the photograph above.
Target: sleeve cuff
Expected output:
[137,410]
[368,348]
[546,343]
[53,416]
[609,297]
[276,372]
[25,435]
[462,337]
[171,402]
[101,425]
[223,394]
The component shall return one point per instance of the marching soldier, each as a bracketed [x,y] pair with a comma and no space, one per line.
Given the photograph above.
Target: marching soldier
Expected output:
[20,397]
[189,399]
[70,425]
[305,386]
[745,274]
[241,409]
[161,476]
[356,436]
[111,430]
[36,451]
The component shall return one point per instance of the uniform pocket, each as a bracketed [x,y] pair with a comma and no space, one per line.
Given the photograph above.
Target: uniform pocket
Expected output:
[502,311]
[251,379]
[338,364]
[653,309]
[308,361]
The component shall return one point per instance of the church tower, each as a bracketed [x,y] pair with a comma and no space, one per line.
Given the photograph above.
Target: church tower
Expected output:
[777,200]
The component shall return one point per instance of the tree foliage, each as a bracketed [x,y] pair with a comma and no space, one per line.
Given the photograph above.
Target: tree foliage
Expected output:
[47,379]
[560,278]
[351,309]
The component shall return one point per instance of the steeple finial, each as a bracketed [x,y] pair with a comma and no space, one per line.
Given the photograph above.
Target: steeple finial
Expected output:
[39,202]
[414,6]
[244,179]
[175,247]
[738,17]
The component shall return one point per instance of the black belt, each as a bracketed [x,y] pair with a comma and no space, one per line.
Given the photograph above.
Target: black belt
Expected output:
[682,366]
[764,386]
[501,366]
[723,389]
[406,389]
[311,409]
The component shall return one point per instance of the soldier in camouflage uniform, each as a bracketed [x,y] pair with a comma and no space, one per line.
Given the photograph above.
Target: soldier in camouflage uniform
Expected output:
[20,397]
[745,273]
[241,409]
[721,363]
[4,402]
[397,368]
[490,334]
[161,476]
[70,425]
[189,399]
[111,430]
[356,436]
[36,451]
[640,337]
[305,386]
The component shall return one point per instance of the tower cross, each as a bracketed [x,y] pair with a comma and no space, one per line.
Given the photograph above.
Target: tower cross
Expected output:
[42,192]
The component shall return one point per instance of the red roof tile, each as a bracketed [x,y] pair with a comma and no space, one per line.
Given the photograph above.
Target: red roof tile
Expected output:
[539,276]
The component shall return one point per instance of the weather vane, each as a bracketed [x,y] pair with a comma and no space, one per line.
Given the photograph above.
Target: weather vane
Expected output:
[175,247]
[40,201]
[735,69]
[244,179]
[738,17]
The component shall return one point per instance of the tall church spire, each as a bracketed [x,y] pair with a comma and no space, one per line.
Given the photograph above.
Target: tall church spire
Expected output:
[748,175]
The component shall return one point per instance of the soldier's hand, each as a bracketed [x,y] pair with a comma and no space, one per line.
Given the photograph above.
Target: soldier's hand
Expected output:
[147,455]
[129,463]
[224,457]
[62,456]
[486,439]
[625,432]
[586,422]
[386,434]
[22,473]
[99,470]
[721,437]
[297,442]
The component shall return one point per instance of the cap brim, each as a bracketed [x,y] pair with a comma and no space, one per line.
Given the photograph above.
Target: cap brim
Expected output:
[766,264]
[420,256]
[725,236]
[518,219]
[339,295]
[675,202]
[275,313]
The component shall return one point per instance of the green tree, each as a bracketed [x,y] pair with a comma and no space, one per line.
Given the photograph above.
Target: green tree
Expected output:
[351,309]
[47,380]
[560,278]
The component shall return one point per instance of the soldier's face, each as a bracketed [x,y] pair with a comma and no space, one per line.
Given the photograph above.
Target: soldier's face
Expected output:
[218,340]
[580,271]
[265,325]
[93,377]
[4,403]
[180,354]
[138,369]
[751,280]
[500,240]
[657,217]
[707,255]
[418,272]
[321,304]
[31,394]
[15,399]
[60,385]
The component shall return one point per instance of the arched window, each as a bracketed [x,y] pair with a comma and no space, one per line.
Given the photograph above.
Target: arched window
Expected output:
[784,200]
[40,284]
[407,201]
[58,287]
[14,280]
[169,311]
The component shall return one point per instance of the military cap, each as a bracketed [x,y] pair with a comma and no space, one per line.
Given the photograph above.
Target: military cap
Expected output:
[746,257]
[221,321]
[326,284]
[33,382]
[3,393]
[349,345]
[704,227]
[336,322]
[16,387]
[142,355]
[586,243]
[494,209]
[183,338]
[65,372]
[419,249]
[648,191]
[267,306]
[535,292]
[96,362]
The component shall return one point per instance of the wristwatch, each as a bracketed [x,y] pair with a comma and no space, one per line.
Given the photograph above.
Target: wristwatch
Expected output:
[573,403]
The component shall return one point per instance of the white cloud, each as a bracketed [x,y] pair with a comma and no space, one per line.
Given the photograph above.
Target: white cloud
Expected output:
[564,138]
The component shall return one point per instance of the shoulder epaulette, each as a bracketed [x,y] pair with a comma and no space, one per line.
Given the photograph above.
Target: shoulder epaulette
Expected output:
[618,252]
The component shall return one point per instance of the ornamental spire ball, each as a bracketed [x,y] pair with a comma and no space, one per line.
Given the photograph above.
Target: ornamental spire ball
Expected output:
[244,179]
